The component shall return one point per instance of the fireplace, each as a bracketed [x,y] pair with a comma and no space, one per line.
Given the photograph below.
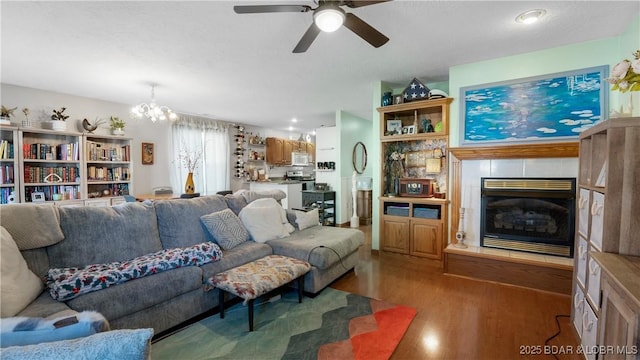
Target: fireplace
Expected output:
[528,214]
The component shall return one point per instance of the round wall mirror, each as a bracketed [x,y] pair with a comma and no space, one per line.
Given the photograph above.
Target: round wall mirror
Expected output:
[359,157]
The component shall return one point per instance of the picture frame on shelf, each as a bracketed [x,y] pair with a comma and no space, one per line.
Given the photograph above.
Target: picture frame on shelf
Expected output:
[409,130]
[37,197]
[544,108]
[394,127]
[147,153]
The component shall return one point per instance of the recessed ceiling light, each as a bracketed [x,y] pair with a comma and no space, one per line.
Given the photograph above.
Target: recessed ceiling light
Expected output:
[290,128]
[294,120]
[531,16]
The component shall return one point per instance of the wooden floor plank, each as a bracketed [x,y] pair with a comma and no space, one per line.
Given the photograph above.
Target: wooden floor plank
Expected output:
[460,318]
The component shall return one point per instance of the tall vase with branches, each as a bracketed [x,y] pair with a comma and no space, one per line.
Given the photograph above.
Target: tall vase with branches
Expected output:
[190,161]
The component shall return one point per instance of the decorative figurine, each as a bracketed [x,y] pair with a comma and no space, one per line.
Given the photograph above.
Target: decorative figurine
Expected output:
[427,127]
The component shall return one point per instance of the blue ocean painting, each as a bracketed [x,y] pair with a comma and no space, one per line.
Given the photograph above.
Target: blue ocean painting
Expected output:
[555,107]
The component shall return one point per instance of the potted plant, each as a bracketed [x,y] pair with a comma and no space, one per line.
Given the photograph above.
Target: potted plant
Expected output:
[117,125]
[58,119]
[6,114]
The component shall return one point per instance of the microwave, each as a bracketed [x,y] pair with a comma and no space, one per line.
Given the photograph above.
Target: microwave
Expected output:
[299,159]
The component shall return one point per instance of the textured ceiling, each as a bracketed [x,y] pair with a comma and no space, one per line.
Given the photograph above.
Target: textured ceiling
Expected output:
[209,61]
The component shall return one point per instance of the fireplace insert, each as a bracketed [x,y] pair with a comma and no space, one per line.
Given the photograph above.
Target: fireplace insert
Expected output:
[528,214]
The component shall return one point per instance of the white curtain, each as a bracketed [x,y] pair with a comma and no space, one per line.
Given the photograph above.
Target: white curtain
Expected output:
[192,135]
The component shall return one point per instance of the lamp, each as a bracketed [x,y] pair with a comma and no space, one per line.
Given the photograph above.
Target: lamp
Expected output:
[153,111]
[531,16]
[329,18]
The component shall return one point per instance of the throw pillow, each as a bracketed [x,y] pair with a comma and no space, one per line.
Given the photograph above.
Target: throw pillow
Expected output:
[307,219]
[20,331]
[19,286]
[273,204]
[226,228]
[117,344]
[263,223]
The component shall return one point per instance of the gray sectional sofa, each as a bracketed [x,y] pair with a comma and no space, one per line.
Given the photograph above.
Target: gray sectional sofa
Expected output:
[161,301]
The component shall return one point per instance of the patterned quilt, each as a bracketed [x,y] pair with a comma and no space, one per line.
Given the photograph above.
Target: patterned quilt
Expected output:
[68,283]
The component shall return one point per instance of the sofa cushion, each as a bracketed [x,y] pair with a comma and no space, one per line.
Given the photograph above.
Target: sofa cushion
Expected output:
[321,246]
[129,229]
[19,286]
[226,228]
[117,344]
[20,331]
[179,219]
[18,219]
[307,219]
[235,202]
[68,283]
[140,294]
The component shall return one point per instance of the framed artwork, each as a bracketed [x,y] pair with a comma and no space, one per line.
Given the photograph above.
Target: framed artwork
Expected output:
[147,153]
[37,197]
[394,127]
[411,129]
[554,107]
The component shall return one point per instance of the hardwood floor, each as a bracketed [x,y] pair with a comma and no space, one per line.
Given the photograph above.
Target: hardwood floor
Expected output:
[460,318]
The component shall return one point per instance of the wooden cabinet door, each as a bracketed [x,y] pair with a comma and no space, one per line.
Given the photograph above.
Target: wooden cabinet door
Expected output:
[302,147]
[618,323]
[395,236]
[426,239]
[274,150]
[287,149]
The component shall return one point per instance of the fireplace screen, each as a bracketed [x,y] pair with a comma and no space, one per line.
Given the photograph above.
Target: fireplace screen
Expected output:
[535,215]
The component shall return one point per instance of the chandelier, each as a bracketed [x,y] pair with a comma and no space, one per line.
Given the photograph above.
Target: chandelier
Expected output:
[153,111]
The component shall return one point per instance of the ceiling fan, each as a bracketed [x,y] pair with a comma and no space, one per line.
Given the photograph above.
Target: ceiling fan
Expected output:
[328,17]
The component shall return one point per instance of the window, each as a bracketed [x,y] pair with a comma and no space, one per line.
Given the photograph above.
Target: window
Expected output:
[210,138]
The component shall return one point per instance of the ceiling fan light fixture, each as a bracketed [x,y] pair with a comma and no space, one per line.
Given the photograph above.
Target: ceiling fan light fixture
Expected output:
[329,19]
[531,16]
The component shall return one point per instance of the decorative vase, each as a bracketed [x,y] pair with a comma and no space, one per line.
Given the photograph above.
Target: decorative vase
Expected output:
[189,186]
[117,131]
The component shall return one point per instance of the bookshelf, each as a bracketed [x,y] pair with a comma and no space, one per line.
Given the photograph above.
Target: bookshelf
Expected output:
[107,165]
[9,174]
[50,165]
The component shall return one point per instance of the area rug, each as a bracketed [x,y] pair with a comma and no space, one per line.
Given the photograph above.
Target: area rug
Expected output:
[333,325]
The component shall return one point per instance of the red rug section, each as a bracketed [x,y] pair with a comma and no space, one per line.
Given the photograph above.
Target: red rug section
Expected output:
[373,336]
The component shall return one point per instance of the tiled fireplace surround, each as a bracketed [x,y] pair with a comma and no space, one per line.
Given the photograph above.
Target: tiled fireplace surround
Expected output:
[469,164]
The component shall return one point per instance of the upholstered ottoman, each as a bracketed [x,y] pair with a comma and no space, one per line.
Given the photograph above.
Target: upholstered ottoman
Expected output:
[254,279]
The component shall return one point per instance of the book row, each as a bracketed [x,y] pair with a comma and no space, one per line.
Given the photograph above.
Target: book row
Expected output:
[37,174]
[106,152]
[96,173]
[6,150]
[66,152]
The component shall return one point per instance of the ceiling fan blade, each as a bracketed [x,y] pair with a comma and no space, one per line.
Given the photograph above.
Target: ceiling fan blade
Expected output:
[256,9]
[358,3]
[307,39]
[364,30]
